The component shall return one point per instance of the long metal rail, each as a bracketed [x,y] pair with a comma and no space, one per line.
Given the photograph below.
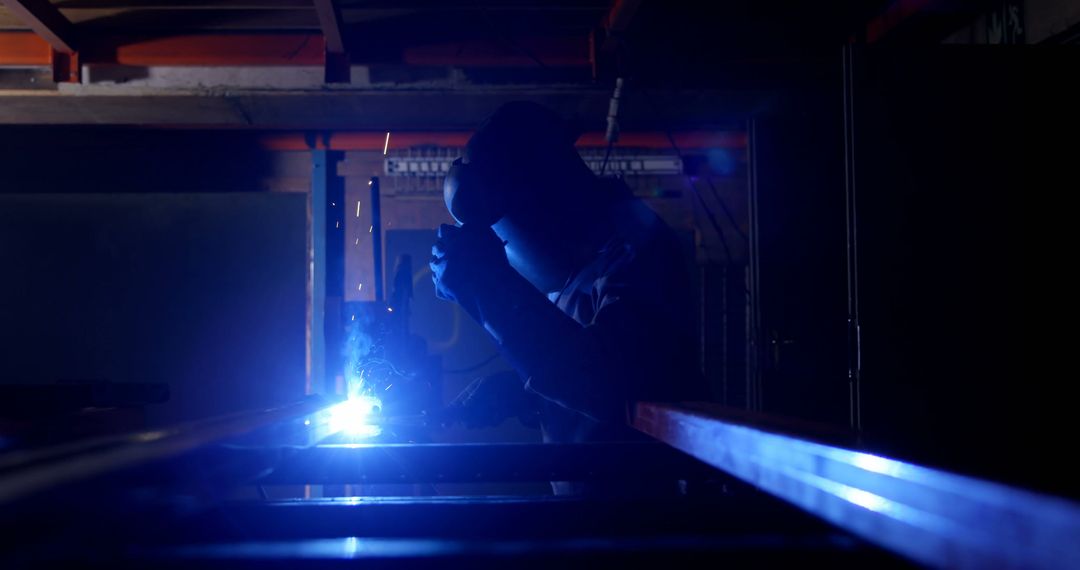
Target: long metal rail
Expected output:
[926,515]
[930,516]
[26,474]
[497,462]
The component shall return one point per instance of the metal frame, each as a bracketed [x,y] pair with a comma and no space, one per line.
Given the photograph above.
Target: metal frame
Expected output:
[320,182]
[930,516]
[926,515]
[854,339]
[46,21]
[25,475]
[470,463]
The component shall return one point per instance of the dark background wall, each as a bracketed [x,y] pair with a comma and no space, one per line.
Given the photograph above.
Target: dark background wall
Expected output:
[950,278]
[205,292]
[948,373]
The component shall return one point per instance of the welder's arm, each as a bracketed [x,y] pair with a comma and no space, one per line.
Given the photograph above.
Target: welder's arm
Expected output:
[594,370]
[583,368]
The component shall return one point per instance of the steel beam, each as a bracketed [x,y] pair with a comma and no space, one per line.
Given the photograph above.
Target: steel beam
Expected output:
[336,65]
[537,553]
[351,110]
[46,21]
[26,474]
[374,140]
[331,24]
[23,48]
[930,516]
[322,170]
[202,49]
[289,49]
[463,463]
[420,517]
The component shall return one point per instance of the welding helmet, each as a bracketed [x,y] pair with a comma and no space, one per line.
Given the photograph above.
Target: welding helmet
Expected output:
[472,194]
[514,156]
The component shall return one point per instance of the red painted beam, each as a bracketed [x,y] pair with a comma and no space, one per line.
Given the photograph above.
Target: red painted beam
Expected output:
[375,140]
[210,50]
[20,48]
[23,48]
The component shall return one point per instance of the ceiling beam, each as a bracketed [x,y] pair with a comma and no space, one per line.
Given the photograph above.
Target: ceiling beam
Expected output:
[361,110]
[22,48]
[336,59]
[46,21]
[331,23]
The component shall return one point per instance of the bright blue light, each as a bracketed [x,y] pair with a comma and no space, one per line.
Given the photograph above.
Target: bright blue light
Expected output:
[353,417]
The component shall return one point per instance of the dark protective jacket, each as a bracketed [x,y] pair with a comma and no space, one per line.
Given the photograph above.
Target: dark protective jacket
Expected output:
[629,336]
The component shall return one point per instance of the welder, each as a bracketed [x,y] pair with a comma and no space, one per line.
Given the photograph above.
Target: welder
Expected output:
[582,286]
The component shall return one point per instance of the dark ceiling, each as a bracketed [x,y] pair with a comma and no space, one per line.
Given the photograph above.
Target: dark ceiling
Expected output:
[657,38]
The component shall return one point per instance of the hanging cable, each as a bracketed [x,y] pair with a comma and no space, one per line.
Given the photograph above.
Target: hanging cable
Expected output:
[727,211]
[612,132]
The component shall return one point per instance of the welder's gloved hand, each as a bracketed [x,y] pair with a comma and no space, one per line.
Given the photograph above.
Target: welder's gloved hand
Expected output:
[463,260]
[491,400]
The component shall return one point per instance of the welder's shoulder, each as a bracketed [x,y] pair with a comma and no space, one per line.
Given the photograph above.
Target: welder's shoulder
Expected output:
[654,268]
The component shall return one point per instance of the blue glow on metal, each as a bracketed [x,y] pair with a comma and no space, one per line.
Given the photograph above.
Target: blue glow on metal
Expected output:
[931,516]
[355,417]
[877,464]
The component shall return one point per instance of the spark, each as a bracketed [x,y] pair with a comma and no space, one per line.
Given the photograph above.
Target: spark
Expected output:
[357,241]
[360,287]
[388,386]
[390,309]
[358,208]
[386,146]
[370,228]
